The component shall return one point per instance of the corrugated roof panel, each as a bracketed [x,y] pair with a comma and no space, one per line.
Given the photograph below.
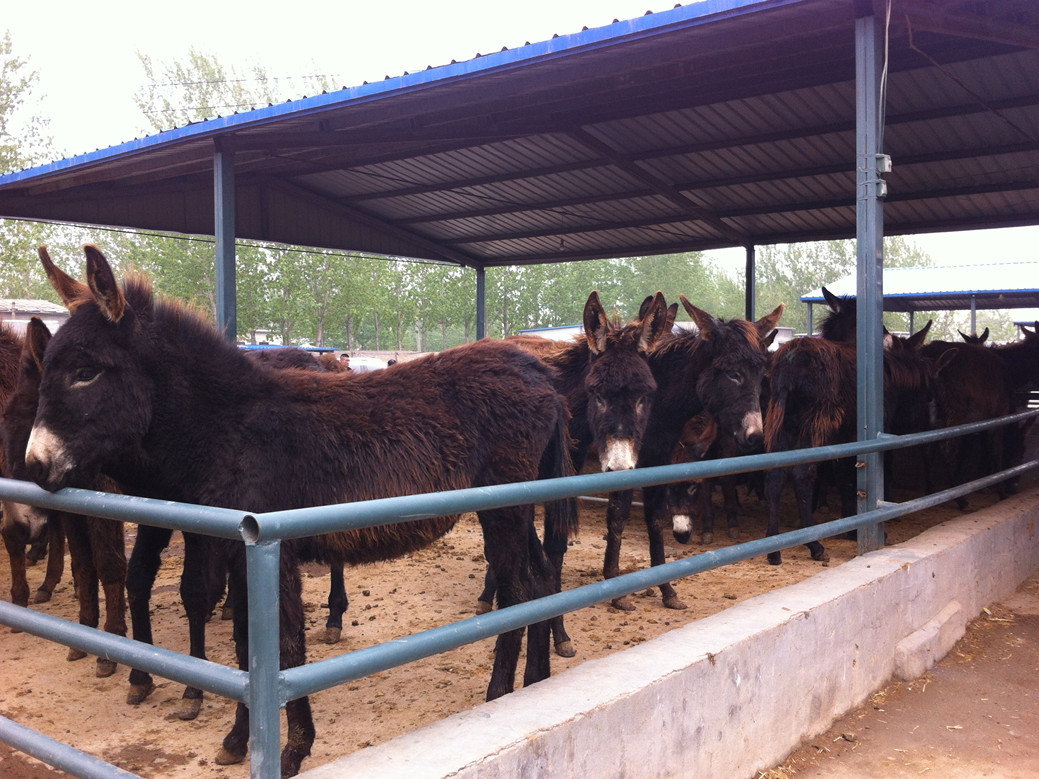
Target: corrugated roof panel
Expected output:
[714,124]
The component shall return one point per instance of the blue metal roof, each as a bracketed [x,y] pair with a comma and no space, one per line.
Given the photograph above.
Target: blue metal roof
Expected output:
[722,123]
[995,285]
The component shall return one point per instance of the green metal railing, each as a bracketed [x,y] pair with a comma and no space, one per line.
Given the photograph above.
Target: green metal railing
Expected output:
[265,688]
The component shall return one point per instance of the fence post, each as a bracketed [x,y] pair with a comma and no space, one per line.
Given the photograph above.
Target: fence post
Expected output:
[264,695]
[869,76]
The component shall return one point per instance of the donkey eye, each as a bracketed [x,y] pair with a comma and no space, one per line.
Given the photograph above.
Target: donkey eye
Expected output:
[85,375]
[735,377]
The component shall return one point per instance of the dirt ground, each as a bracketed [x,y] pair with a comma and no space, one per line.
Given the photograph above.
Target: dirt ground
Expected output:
[64,700]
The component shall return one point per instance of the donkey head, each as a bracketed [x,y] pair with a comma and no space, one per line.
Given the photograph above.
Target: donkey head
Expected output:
[619,382]
[95,390]
[17,421]
[729,384]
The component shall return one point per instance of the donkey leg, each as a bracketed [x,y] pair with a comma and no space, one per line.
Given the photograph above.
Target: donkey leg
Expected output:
[705,504]
[804,488]
[140,577]
[555,549]
[774,483]
[55,560]
[338,603]
[732,506]
[654,513]
[14,541]
[617,512]
[108,546]
[485,601]
[292,651]
[506,546]
[84,574]
[196,595]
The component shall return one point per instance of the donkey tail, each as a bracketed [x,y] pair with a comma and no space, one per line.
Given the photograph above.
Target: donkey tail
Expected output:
[561,522]
[775,418]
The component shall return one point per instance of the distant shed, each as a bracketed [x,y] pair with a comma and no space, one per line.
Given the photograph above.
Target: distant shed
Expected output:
[953,287]
[18,312]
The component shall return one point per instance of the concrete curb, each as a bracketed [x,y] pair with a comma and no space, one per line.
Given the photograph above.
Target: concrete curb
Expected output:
[736,692]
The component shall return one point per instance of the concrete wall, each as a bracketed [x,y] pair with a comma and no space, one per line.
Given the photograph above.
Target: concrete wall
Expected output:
[735,693]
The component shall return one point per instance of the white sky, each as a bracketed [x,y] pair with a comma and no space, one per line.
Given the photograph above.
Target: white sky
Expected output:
[86,56]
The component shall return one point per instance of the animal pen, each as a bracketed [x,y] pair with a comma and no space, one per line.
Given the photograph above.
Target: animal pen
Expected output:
[600,112]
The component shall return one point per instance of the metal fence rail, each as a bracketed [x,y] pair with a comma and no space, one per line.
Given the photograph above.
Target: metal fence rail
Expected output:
[265,689]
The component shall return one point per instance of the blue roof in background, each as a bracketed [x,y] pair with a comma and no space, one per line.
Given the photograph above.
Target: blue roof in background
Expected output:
[994,285]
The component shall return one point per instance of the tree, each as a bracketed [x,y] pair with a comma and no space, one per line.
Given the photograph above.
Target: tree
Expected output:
[24,142]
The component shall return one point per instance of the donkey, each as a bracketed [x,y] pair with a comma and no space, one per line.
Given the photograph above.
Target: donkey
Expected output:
[971,385]
[609,387]
[19,526]
[813,403]
[145,390]
[717,371]
[96,546]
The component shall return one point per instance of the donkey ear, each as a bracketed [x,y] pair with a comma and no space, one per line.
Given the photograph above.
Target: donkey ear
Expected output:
[37,336]
[644,308]
[983,337]
[103,284]
[917,338]
[832,301]
[68,289]
[654,322]
[768,322]
[707,323]
[766,342]
[672,315]
[596,323]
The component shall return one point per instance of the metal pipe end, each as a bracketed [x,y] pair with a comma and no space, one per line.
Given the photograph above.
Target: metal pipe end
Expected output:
[249,529]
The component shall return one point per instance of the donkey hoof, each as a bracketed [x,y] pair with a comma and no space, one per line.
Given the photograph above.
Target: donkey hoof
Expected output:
[623,603]
[822,556]
[333,634]
[707,538]
[226,613]
[565,649]
[483,607]
[105,668]
[775,558]
[672,602]
[42,596]
[75,654]
[188,709]
[734,533]
[223,757]
[139,693]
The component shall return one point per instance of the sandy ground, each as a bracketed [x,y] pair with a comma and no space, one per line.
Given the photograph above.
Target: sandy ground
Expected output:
[40,689]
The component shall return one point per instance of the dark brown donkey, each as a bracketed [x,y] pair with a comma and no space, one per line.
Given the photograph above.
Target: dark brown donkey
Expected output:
[813,403]
[717,371]
[19,526]
[96,546]
[608,385]
[144,390]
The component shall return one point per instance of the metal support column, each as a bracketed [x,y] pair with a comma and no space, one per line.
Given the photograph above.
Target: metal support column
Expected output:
[264,698]
[224,232]
[750,284]
[481,302]
[869,75]
[973,314]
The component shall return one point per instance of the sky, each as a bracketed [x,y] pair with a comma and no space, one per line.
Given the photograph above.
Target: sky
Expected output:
[87,58]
